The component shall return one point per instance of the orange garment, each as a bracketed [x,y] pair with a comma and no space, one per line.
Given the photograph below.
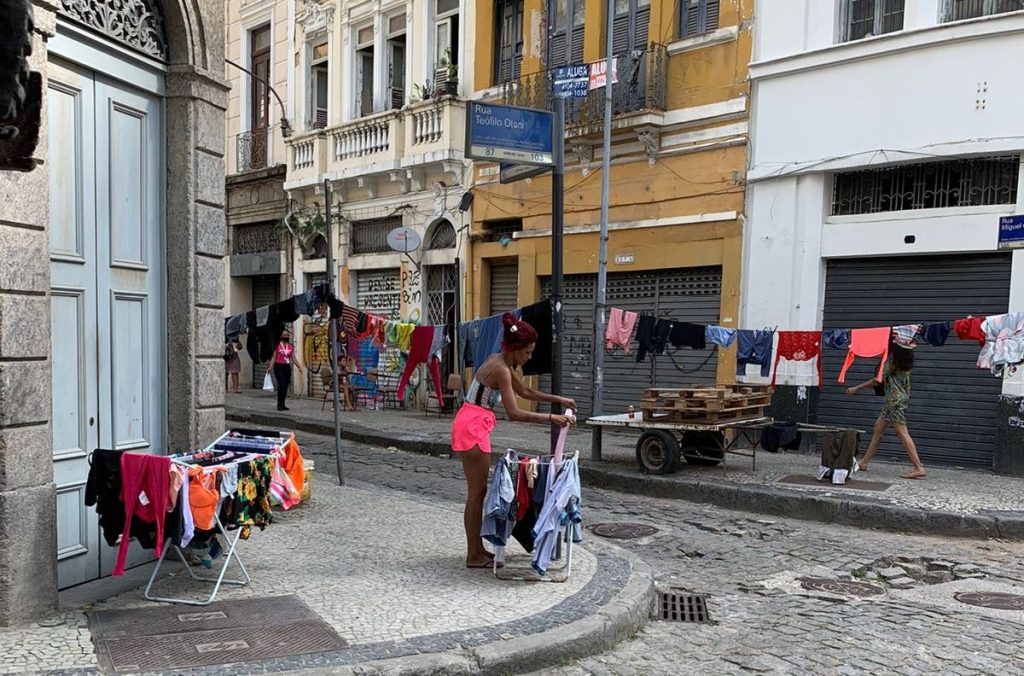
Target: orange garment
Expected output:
[203,496]
[177,479]
[292,463]
[867,343]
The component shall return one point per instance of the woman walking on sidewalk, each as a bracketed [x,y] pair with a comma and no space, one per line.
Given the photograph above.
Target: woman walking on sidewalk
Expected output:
[284,358]
[896,385]
[495,379]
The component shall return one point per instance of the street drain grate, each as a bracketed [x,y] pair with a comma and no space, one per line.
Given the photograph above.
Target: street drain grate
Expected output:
[997,600]
[166,638]
[678,606]
[623,531]
[841,587]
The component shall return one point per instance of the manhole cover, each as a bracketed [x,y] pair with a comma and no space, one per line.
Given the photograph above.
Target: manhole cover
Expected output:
[623,531]
[842,587]
[998,600]
[676,606]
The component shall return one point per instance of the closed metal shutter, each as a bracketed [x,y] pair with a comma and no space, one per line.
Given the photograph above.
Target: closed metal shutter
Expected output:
[952,403]
[264,292]
[504,286]
[379,292]
[690,295]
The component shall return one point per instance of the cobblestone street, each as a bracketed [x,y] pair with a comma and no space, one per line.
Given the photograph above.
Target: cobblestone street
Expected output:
[762,620]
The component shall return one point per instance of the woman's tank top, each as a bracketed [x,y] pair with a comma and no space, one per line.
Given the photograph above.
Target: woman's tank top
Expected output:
[481,395]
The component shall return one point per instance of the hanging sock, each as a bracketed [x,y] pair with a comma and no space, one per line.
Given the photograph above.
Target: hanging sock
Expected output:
[620,329]
[798,346]
[419,352]
[867,343]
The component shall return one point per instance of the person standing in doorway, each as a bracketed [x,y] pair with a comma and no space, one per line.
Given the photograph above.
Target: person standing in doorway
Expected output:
[495,379]
[896,387]
[284,359]
[232,365]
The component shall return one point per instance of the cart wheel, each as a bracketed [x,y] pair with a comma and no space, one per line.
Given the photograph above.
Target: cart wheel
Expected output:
[702,448]
[657,452]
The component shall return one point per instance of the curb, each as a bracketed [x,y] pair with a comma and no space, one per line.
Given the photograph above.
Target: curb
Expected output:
[848,511]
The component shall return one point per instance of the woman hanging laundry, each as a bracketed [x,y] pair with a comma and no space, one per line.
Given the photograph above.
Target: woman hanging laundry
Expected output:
[471,431]
[896,384]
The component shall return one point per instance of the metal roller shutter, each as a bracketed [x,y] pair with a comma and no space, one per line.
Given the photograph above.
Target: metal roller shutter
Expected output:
[264,292]
[504,286]
[692,295]
[379,292]
[953,403]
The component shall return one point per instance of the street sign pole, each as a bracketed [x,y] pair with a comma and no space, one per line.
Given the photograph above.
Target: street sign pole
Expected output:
[557,225]
[332,332]
[600,299]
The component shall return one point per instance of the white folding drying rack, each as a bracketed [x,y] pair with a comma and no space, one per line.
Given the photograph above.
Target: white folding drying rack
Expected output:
[231,551]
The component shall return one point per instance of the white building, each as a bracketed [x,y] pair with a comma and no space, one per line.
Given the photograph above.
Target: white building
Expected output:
[886,143]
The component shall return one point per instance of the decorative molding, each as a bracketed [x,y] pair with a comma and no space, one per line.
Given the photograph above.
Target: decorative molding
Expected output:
[650,138]
[136,23]
[401,178]
[368,184]
[317,20]
[584,153]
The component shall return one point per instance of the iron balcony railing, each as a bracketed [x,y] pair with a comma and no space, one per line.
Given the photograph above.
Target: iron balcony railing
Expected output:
[642,85]
[252,149]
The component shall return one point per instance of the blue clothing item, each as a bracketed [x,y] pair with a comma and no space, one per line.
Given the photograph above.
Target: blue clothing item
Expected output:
[720,336]
[491,333]
[369,356]
[540,485]
[233,327]
[755,347]
[499,507]
[837,339]
[305,303]
[936,333]
[469,335]
[559,507]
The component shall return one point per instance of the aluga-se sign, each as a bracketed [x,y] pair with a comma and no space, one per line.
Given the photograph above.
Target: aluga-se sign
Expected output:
[509,134]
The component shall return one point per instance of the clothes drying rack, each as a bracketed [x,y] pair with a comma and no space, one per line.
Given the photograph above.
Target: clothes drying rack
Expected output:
[231,552]
[529,574]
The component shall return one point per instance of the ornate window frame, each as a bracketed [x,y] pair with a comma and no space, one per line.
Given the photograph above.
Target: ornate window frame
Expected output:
[137,24]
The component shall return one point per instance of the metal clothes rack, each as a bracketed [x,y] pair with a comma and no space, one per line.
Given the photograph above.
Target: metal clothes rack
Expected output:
[232,542]
[529,574]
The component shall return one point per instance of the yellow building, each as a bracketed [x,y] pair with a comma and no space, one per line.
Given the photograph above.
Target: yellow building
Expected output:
[678,161]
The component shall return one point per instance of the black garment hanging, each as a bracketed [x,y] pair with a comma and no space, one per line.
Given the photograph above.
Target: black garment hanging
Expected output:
[539,317]
[685,334]
[651,335]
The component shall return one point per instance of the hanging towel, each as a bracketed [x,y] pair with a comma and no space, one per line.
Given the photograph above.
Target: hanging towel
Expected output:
[720,336]
[620,329]
[1004,345]
[539,316]
[684,334]
[419,352]
[970,329]
[936,333]
[867,343]
[837,339]
[798,346]
[906,336]
[755,347]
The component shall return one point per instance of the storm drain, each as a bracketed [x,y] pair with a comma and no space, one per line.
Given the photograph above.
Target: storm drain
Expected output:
[623,531]
[841,587]
[679,606]
[997,600]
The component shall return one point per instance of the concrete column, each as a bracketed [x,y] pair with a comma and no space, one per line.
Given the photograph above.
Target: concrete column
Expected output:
[28,512]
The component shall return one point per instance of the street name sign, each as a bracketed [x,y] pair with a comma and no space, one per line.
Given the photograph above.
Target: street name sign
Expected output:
[511,134]
[1011,232]
[510,173]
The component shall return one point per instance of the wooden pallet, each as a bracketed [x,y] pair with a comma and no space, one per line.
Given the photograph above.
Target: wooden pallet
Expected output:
[711,404]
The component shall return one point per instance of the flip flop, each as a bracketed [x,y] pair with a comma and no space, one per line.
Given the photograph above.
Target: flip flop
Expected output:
[908,476]
[484,565]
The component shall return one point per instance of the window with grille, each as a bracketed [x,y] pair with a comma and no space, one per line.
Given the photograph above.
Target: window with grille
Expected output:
[442,236]
[371,236]
[865,18]
[441,283]
[697,17]
[958,10]
[495,231]
[932,185]
[508,40]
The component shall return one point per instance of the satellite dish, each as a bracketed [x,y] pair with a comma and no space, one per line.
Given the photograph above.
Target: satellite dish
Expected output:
[404,239]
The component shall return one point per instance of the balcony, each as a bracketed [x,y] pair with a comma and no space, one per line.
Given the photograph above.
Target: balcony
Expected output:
[384,143]
[642,87]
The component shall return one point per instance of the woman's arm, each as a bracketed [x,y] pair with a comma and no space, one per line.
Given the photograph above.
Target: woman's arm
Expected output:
[296,361]
[527,392]
[506,380]
[863,386]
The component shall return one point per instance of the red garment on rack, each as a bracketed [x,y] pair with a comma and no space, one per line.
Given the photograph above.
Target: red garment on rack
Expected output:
[523,493]
[419,352]
[969,328]
[867,343]
[145,483]
[798,346]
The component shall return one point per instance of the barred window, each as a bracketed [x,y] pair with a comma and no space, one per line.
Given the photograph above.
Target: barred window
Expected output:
[371,236]
[958,10]
[972,182]
[865,18]
[495,231]
[441,236]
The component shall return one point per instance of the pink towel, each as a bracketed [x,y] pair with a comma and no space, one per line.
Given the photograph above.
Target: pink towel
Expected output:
[620,329]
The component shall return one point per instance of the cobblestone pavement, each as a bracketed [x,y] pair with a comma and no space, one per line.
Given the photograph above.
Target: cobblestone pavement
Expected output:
[763,621]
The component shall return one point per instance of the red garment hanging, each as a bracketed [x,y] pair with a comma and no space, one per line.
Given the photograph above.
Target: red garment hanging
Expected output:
[970,328]
[145,483]
[867,343]
[798,346]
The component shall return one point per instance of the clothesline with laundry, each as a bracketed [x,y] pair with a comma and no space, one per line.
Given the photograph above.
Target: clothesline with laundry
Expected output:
[1000,337]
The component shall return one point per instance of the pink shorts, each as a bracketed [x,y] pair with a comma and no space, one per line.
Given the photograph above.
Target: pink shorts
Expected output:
[472,427]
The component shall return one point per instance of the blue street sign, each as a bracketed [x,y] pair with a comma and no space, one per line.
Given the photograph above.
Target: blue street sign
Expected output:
[510,173]
[571,82]
[1011,232]
[510,134]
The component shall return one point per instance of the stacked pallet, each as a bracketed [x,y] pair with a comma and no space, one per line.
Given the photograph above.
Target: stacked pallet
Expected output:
[706,404]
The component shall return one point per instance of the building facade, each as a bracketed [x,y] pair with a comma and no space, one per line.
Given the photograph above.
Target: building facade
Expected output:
[111,268]
[678,165]
[886,145]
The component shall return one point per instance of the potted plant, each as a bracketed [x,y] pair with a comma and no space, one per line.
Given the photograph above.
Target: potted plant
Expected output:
[423,91]
[451,74]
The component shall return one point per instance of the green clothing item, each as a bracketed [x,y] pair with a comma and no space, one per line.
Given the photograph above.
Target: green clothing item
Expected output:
[897,395]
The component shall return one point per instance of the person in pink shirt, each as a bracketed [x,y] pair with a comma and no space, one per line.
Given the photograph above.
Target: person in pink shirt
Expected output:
[283,360]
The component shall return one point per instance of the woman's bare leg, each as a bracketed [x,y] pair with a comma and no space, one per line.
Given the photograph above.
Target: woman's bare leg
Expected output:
[911,448]
[475,465]
[234,382]
[876,439]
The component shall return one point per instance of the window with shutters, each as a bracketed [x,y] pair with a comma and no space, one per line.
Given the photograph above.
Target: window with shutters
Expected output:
[958,10]
[697,17]
[396,61]
[508,40]
[364,71]
[446,39]
[866,18]
[630,26]
[565,32]
[320,87]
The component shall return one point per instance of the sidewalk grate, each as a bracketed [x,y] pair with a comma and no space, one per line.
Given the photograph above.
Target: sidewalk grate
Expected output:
[679,606]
